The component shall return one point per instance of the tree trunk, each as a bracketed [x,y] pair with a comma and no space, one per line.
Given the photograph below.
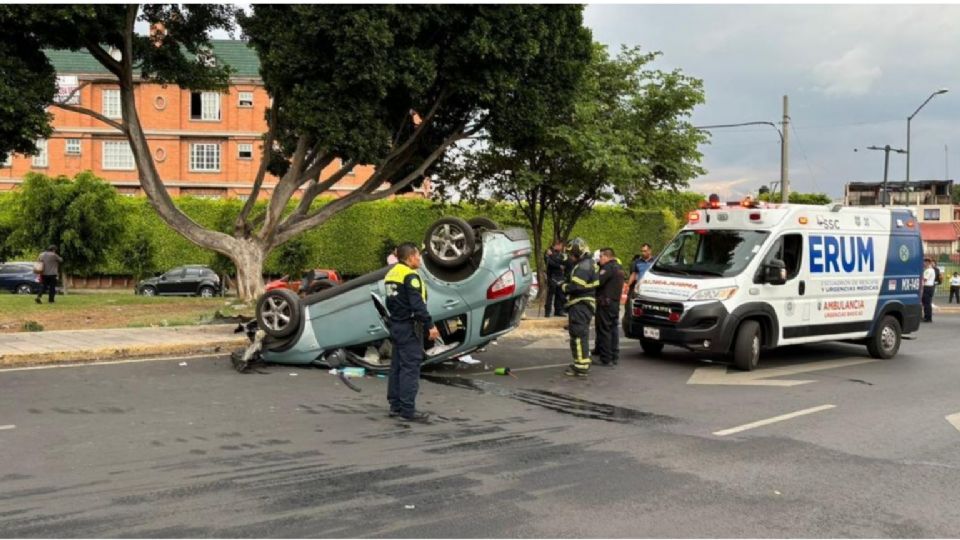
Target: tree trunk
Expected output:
[248,256]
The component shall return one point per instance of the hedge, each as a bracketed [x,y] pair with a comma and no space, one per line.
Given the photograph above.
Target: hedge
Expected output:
[358,239]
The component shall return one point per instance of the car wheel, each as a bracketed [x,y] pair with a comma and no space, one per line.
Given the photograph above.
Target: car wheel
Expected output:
[450,242]
[885,342]
[746,347]
[481,224]
[278,313]
[206,292]
[651,348]
[24,288]
[148,291]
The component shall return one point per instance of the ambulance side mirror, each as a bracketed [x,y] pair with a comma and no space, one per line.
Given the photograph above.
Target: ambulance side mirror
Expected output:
[775,272]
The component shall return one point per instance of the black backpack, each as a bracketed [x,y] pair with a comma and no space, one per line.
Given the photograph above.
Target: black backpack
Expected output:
[938,280]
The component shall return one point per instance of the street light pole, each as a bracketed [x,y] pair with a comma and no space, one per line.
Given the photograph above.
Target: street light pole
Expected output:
[910,118]
[885,195]
[782,134]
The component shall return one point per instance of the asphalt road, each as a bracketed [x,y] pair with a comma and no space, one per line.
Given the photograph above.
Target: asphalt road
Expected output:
[160,449]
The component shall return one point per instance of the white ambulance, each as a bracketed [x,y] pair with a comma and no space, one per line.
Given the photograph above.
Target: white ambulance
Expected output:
[741,278]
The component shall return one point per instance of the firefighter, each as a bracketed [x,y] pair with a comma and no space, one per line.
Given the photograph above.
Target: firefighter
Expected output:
[556,261]
[407,304]
[608,307]
[580,289]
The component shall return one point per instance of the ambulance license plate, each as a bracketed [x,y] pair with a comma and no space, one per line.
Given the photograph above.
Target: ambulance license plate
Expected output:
[651,333]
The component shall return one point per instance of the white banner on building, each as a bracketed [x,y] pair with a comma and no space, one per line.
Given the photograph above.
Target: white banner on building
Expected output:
[66,84]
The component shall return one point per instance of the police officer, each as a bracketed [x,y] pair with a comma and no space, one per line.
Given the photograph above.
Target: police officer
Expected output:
[407,304]
[580,289]
[556,261]
[608,307]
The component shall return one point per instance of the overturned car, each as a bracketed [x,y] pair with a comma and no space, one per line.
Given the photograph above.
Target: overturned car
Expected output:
[477,277]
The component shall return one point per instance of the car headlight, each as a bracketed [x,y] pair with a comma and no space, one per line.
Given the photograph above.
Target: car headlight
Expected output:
[721,293]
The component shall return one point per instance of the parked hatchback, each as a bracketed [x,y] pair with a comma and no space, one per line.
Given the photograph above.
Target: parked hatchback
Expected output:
[18,278]
[191,280]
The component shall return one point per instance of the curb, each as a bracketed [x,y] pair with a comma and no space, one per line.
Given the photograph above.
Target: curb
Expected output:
[106,354]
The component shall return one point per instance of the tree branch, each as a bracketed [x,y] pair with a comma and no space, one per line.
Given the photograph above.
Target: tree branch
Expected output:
[94,114]
[241,224]
[315,190]
[104,58]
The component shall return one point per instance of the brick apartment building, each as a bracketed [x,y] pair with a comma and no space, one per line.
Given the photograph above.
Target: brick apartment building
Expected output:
[930,200]
[203,143]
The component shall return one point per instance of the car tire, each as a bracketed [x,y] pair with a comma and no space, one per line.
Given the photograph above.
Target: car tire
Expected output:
[148,291]
[207,292]
[25,288]
[450,242]
[651,348]
[885,342]
[481,224]
[746,346]
[279,313]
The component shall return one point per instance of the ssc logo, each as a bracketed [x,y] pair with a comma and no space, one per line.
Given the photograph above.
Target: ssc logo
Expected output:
[904,253]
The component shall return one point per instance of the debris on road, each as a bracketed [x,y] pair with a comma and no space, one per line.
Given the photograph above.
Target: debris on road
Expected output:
[182,364]
[467,359]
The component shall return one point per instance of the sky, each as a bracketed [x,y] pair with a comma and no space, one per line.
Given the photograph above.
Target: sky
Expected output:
[852,73]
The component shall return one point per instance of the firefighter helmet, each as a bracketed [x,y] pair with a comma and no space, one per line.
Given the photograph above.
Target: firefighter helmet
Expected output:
[577,247]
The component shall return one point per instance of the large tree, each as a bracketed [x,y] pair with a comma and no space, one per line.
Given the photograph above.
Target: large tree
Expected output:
[625,135]
[391,86]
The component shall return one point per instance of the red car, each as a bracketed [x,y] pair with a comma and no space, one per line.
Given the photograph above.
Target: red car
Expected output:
[313,281]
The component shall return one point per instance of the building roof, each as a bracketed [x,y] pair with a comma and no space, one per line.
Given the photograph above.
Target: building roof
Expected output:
[939,232]
[234,53]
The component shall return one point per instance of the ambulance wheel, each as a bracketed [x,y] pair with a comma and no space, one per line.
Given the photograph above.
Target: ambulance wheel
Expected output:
[746,346]
[651,348]
[885,342]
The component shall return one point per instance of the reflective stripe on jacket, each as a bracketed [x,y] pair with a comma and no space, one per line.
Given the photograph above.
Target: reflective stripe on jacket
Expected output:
[582,283]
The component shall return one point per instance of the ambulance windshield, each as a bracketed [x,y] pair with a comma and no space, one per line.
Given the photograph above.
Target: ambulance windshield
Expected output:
[710,253]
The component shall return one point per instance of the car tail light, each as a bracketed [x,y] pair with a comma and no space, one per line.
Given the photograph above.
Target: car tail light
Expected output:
[504,286]
[674,317]
[693,217]
[637,312]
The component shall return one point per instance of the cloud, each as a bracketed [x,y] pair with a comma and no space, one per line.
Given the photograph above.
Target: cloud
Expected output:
[853,74]
[726,189]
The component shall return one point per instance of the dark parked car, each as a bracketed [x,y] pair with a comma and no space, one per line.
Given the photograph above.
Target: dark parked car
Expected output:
[18,277]
[191,280]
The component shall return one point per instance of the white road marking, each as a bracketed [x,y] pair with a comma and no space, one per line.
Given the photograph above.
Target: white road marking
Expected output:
[954,420]
[110,363]
[10,426]
[768,421]
[762,377]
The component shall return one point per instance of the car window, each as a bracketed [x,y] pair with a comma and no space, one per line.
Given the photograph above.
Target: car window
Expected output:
[193,273]
[789,249]
[10,269]
[176,273]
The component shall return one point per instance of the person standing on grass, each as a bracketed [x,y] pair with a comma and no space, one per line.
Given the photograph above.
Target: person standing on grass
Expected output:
[955,288]
[48,275]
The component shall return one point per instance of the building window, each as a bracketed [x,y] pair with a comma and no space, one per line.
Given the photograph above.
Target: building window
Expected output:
[117,156]
[244,151]
[73,147]
[204,106]
[205,157]
[40,158]
[245,99]
[8,162]
[931,214]
[111,104]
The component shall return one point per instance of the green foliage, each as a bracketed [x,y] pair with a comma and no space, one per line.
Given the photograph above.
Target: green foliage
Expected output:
[293,257]
[955,194]
[81,216]
[355,241]
[678,202]
[800,198]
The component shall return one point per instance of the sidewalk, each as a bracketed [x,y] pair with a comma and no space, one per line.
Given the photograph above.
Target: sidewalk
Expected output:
[26,348]
[32,348]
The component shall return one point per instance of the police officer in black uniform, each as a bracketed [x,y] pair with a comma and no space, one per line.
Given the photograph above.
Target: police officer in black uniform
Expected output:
[609,292]
[580,289]
[407,304]
[556,261]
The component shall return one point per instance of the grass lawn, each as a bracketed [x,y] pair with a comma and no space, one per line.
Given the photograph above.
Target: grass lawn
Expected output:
[109,310]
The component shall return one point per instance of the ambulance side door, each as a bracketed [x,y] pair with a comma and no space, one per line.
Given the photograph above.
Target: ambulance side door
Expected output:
[786,299]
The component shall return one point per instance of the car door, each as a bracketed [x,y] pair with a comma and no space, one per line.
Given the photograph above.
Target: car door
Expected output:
[169,283]
[190,282]
[788,300]
[8,274]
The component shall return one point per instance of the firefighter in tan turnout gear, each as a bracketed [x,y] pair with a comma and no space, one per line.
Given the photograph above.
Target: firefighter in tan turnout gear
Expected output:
[580,288]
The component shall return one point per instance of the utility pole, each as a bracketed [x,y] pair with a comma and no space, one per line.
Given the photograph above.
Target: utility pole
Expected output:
[946,163]
[785,154]
[910,119]
[885,195]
